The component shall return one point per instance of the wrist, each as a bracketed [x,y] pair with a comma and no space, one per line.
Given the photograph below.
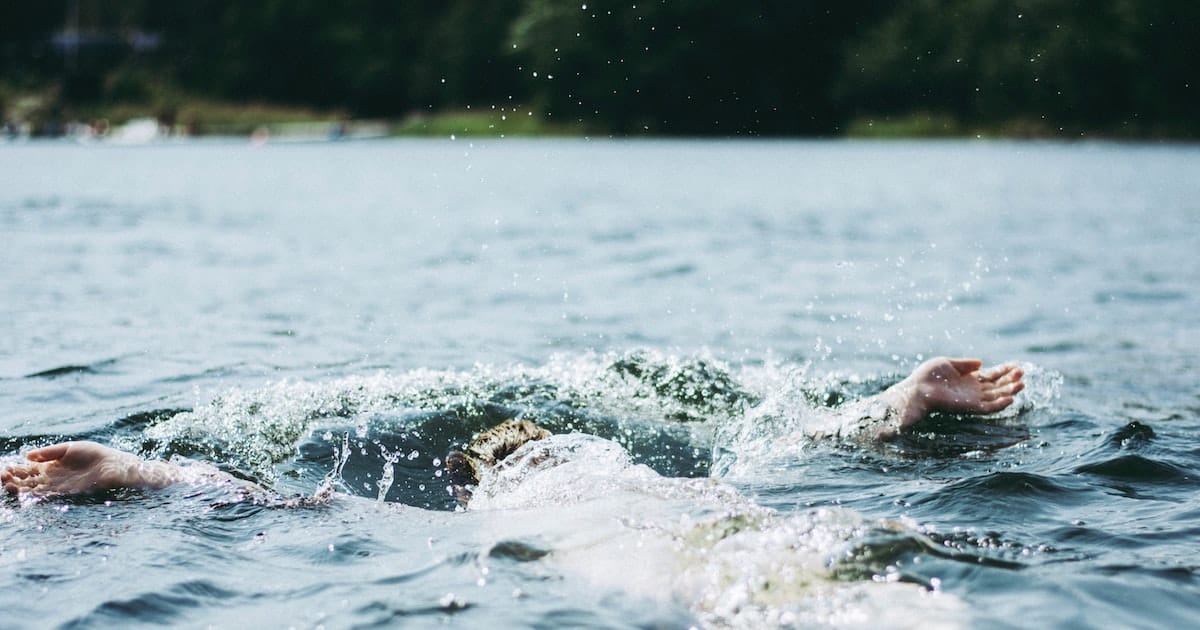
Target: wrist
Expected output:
[906,403]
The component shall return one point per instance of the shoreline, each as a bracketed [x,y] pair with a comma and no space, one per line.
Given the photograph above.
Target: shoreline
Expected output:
[260,122]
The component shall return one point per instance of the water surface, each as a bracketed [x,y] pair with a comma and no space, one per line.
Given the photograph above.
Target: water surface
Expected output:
[275,309]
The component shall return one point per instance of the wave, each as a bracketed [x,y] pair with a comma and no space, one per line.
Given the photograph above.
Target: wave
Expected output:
[1001,498]
[399,427]
[798,413]
[630,467]
[66,370]
[682,416]
[1137,468]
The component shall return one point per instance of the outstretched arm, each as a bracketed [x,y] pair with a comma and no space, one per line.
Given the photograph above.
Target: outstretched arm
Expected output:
[84,467]
[948,385]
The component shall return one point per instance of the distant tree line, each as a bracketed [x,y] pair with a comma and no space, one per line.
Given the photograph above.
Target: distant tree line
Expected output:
[722,67]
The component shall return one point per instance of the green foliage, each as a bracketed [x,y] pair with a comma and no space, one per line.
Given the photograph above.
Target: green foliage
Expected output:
[918,124]
[866,67]
[701,66]
[492,123]
[1057,65]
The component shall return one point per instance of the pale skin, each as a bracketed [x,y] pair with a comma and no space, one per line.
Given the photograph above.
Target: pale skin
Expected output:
[87,467]
[947,385]
[941,384]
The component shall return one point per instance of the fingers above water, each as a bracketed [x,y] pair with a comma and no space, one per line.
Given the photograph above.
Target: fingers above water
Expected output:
[992,406]
[966,365]
[1003,373]
[48,453]
[18,479]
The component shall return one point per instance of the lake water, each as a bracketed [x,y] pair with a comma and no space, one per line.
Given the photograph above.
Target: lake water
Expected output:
[352,312]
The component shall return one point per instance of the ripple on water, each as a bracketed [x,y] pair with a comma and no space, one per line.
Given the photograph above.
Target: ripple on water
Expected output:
[999,497]
[166,606]
[1138,468]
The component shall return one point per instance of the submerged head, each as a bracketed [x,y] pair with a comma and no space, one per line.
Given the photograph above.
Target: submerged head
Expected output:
[486,450]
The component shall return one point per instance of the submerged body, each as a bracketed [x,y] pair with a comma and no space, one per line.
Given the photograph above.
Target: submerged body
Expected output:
[938,385]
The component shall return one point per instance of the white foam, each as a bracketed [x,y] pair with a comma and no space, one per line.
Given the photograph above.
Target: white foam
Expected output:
[695,541]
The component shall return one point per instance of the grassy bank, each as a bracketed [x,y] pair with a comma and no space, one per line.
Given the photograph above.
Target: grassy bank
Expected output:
[489,122]
[927,125]
[37,109]
[203,116]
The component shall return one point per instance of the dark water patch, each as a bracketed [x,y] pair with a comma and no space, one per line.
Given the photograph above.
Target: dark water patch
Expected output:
[399,465]
[348,549]
[402,457]
[63,371]
[1077,380]
[386,615]
[614,236]
[517,551]
[142,419]
[211,372]
[203,589]
[1139,405]
[1094,539]
[1137,468]
[40,576]
[152,608]
[1183,575]
[882,551]
[1055,348]
[1139,296]
[73,369]
[640,256]
[15,444]
[223,526]
[399,457]
[1131,436]
[404,578]
[665,273]
[462,559]
[991,548]
[1014,484]
[997,497]
[953,436]
[1069,423]
[1022,326]
[159,608]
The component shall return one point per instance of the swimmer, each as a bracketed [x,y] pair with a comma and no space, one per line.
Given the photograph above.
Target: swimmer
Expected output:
[941,384]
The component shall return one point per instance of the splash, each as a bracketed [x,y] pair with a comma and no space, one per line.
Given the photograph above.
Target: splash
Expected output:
[796,414]
[697,541]
[679,415]
[643,399]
